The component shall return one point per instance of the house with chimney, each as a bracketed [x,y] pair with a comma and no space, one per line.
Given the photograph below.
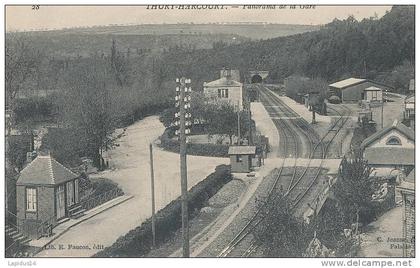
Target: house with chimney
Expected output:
[226,88]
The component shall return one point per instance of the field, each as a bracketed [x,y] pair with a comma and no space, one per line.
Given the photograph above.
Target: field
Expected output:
[142,39]
[249,30]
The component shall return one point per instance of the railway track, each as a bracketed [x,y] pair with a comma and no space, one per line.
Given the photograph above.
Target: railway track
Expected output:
[328,139]
[291,148]
[311,138]
[319,149]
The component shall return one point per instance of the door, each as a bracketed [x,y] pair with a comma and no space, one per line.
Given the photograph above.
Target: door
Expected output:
[60,202]
[70,194]
[76,190]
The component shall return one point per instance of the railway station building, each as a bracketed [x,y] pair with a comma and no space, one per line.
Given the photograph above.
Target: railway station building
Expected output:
[390,149]
[225,89]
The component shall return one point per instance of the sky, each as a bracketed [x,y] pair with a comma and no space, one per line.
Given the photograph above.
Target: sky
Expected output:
[24,18]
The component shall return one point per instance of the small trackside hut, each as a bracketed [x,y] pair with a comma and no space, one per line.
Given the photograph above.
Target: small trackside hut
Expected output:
[241,158]
[46,192]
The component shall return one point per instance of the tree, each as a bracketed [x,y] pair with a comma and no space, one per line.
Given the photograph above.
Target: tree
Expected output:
[21,64]
[218,117]
[221,118]
[119,65]
[279,233]
[85,107]
[354,189]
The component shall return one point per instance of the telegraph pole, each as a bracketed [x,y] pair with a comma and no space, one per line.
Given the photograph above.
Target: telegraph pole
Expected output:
[239,124]
[152,180]
[183,98]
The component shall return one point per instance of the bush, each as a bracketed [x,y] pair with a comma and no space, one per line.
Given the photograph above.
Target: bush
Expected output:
[18,146]
[202,149]
[138,242]
[103,185]
[140,113]
[33,109]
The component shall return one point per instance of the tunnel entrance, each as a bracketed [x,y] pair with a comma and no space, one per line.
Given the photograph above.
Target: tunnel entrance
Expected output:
[256,79]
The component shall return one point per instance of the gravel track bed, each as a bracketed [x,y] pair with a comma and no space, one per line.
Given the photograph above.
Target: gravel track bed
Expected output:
[216,204]
[216,247]
[228,194]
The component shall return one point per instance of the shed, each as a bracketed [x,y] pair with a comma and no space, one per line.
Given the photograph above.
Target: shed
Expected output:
[353,89]
[46,192]
[241,158]
[373,94]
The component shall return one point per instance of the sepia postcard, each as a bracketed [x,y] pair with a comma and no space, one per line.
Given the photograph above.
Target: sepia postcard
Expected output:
[208,130]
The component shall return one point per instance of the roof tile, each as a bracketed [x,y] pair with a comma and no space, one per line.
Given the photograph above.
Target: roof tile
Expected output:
[389,156]
[45,170]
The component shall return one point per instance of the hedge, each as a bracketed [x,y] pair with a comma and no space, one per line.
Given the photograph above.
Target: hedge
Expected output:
[202,149]
[138,242]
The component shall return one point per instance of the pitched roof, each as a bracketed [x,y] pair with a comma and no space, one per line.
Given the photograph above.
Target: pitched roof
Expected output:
[407,185]
[373,89]
[389,156]
[347,82]
[45,170]
[242,150]
[408,132]
[410,177]
[222,82]
[410,99]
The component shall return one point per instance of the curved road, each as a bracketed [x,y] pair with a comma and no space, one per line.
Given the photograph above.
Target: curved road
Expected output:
[131,160]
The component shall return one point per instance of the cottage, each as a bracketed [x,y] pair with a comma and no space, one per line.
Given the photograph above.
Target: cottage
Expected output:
[225,89]
[353,89]
[46,193]
[390,148]
[241,158]
[408,218]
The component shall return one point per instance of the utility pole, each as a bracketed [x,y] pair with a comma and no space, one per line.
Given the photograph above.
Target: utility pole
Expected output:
[183,98]
[239,124]
[382,109]
[382,115]
[250,142]
[152,183]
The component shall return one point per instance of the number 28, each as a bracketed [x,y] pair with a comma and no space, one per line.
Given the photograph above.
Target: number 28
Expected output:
[35,7]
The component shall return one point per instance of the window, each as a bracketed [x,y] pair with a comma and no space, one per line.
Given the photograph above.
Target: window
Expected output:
[393,141]
[223,93]
[238,158]
[374,95]
[31,199]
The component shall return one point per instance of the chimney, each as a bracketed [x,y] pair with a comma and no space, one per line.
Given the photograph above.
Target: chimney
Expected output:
[226,73]
[30,156]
